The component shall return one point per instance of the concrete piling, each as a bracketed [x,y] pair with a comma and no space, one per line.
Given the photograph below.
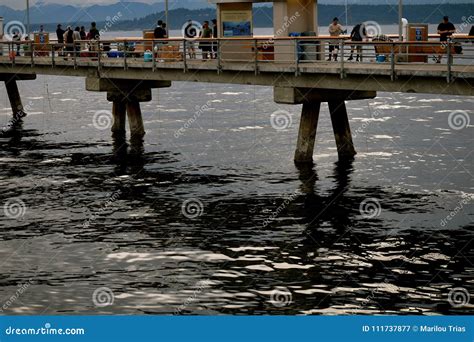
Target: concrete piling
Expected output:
[342,130]
[307,132]
[15,99]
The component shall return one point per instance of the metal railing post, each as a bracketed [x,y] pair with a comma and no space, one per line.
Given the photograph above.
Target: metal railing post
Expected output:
[392,62]
[75,55]
[219,58]
[125,66]
[185,55]
[341,47]
[449,61]
[255,47]
[32,52]
[297,57]
[153,55]
[99,57]
[52,56]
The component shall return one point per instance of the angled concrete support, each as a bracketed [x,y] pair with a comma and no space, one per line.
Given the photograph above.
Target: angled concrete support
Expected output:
[342,130]
[15,99]
[307,132]
[135,121]
[311,99]
[119,117]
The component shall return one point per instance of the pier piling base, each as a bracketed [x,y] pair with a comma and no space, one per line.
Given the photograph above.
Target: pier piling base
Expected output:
[307,132]
[342,130]
[311,98]
[119,116]
[15,99]
[135,121]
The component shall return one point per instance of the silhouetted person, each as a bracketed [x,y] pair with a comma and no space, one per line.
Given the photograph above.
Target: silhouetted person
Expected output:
[357,35]
[445,30]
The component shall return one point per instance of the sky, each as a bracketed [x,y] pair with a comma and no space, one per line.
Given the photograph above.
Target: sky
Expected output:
[19,4]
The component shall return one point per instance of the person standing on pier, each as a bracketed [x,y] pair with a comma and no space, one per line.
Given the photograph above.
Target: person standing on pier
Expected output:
[93,36]
[60,35]
[215,36]
[335,30]
[17,39]
[445,30]
[159,32]
[69,40]
[358,34]
[205,46]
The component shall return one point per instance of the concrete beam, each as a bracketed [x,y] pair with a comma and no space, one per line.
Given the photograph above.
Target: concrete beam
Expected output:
[286,95]
[17,77]
[125,85]
[137,95]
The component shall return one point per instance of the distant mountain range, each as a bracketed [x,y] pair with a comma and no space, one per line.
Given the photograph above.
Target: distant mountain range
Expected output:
[140,16]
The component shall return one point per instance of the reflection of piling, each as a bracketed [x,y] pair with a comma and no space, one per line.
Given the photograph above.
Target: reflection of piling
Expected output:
[311,99]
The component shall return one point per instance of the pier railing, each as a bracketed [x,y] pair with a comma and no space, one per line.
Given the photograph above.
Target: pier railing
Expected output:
[294,54]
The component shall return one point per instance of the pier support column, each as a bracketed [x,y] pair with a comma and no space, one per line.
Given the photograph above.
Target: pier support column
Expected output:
[135,121]
[311,98]
[307,132]
[342,130]
[119,115]
[15,99]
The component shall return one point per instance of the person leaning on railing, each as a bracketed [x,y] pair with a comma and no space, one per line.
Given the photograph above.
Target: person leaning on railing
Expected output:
[358,34]
[445,30]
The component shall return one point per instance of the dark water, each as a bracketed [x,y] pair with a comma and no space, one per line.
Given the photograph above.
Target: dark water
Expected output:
[261,236]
